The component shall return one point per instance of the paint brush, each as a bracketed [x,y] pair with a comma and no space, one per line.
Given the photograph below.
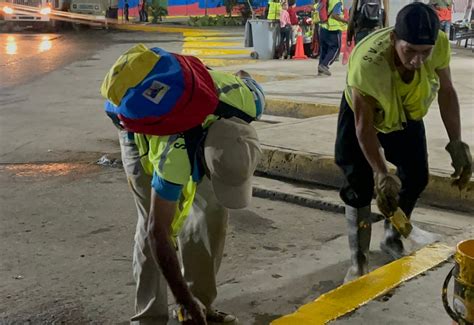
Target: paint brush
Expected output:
[417,235]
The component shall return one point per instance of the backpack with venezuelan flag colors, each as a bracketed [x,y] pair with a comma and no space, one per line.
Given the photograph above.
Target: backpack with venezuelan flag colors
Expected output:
[155,92]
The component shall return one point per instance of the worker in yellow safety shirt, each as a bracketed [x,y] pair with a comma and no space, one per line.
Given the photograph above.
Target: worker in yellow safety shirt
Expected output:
[393,77]
[183,204]
[330,33]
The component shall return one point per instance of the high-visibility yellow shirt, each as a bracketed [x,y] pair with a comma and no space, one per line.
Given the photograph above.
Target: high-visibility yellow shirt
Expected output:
[333,24]
[373,73]
[274,9]
[315,17]
[167,159]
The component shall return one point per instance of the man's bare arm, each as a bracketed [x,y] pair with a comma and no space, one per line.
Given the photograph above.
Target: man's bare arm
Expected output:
[351,23]
[338,18]
[364,108]
[449,105]
[161,216]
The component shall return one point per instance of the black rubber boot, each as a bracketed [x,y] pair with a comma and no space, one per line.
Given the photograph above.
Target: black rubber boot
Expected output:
[360,230]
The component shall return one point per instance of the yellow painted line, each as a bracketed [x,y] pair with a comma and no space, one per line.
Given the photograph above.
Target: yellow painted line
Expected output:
[213,62]
[192,33]
[352,295]
[211,44]
[209,38]
[213,52]
[207,32]
[182,16]
[168,29]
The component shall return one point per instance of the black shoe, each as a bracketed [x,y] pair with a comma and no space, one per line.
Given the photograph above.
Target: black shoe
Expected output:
[323,70]
[217,316]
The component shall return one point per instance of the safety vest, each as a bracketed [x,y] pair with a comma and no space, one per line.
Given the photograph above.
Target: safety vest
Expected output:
[183,208]
[274,9]
[238,101]
[333,24]
[232,91]
[185,201]
[315,17]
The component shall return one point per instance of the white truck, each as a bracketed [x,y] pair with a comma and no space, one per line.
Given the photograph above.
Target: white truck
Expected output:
[89,7]
[16,18]
[99,9]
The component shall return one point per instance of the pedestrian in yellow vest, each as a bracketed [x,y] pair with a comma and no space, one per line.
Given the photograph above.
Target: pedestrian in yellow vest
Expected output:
[330,35]
[393,77]
[274,8]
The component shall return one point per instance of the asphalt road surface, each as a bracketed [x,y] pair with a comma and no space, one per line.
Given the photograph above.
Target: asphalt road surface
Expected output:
[67,225]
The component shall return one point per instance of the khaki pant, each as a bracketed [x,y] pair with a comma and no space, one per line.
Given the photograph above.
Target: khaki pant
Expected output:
[201,243]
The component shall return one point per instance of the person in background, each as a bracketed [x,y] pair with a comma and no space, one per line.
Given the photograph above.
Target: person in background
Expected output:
[294,22]
[393,77]
[315,38]
[285,31]
[143,11]
[444,10]
[125,10]
[292,12]
[330,35]
[366,16]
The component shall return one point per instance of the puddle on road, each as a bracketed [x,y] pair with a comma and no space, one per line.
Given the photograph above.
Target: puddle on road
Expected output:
[49,169]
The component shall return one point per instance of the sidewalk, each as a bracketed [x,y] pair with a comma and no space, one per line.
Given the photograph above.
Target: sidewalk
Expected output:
[304,149]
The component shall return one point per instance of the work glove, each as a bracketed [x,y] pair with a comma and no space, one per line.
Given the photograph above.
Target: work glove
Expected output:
[462,163]
[387,188]
[194,313]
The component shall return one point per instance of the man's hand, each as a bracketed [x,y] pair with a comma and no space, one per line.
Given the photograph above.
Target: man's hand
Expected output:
[164,252]
[197,313]
[461,161]
[387,188]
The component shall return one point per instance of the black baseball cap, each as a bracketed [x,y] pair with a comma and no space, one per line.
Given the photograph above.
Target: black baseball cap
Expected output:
[418,24]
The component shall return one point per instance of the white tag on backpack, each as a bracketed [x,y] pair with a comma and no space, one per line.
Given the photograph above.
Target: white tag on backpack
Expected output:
[156,92]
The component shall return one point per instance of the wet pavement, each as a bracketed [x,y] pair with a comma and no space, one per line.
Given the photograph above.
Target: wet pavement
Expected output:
[27,56]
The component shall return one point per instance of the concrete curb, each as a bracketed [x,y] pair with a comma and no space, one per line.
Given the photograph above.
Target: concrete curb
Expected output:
[320,169]
[213,52]
[308,202]
[154,28]
[288,108]
[305,201]
[186,31]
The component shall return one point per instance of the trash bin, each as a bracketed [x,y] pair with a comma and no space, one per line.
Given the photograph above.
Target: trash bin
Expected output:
[265,34]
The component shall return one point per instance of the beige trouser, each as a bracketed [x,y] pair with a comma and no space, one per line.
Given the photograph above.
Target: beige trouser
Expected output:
[201,243]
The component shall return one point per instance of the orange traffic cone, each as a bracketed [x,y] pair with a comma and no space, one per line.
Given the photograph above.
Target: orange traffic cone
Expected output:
[299,50]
